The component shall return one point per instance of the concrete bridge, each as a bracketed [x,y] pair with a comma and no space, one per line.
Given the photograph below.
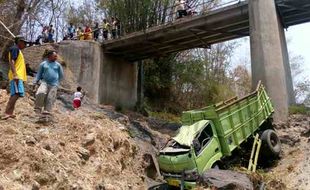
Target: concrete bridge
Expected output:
[263,20]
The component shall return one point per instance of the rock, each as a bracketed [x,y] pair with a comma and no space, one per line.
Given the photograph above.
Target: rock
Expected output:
[45,178]
[100,186]
[290,140]
[83,153]
[30,140]
[35,186]
[76,187]
[1,187]
[123,120]
[17,174]
[47,147]
[89,139]
[62,143]
[306,133]
[225,179]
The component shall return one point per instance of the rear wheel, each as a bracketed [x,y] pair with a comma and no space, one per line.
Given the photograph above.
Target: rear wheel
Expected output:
[271,145]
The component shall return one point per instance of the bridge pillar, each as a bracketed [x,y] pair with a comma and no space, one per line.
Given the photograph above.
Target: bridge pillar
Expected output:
[106,78]
[269,55]
[118,81]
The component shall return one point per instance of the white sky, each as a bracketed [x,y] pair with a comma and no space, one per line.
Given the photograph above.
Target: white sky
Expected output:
[299,44]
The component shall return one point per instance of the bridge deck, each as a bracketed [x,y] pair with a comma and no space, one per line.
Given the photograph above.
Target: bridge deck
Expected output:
[201,31]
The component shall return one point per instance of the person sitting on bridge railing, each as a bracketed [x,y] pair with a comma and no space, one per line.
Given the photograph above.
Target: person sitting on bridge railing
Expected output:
[181,8]
[71,31]
[80,34]
[87,33]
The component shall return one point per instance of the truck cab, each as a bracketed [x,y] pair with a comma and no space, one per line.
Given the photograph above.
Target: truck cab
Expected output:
[195,149]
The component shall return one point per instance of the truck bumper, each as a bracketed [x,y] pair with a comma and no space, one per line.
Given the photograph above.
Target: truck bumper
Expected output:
[177,183]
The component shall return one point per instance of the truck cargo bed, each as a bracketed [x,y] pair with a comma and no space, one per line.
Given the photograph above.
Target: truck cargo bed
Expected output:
[235,119]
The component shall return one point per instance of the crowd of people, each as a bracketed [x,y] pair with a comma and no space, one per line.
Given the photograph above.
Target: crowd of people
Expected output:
[46,36]
[107,30]
[47,80]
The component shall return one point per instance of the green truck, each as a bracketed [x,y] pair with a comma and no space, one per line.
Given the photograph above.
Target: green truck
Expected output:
[209,134]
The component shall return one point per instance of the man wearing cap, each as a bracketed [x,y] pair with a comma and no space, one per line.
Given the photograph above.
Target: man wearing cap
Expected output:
[17,75]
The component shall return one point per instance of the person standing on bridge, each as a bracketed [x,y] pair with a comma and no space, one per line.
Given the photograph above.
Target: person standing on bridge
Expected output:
[17,75]
[105,29]
[114,27]
[50,74]
[118,27]
[181,8]
[96,31]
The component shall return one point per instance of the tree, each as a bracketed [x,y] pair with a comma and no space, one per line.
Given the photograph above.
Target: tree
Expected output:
[13,14]
[241,80]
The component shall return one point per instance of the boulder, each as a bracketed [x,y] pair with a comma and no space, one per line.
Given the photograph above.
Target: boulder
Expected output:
[226,179]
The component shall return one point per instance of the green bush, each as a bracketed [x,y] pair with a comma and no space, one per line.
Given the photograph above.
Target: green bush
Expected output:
[299,109]
[166,116]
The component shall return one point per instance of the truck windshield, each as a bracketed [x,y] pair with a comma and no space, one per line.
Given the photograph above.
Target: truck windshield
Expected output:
[174,144]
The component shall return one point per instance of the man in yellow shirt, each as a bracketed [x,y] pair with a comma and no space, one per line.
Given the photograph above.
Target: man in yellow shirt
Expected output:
[105,29]
[17,75]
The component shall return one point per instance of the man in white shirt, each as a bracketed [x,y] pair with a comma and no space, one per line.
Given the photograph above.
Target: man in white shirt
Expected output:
[181,8]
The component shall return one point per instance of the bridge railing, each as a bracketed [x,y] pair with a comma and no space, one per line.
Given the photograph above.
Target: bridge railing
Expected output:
[196,8]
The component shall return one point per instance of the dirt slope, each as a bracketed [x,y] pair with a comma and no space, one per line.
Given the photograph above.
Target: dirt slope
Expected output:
[80,150]
[293,170]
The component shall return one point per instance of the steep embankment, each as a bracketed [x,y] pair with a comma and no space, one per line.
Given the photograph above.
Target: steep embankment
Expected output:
[81,149]
[91,148]
[293,170]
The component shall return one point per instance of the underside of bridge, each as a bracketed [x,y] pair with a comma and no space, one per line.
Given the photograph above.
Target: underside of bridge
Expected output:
[293,12]
[190,32]
[201,31]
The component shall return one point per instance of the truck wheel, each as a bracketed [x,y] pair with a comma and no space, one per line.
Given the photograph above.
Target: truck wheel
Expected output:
[271,143]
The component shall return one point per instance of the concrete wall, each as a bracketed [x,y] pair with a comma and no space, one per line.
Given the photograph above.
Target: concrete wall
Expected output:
[269,54]
[108,80]
[118,81]
[287,66]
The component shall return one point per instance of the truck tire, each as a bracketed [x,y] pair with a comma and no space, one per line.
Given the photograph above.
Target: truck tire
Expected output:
[271,145]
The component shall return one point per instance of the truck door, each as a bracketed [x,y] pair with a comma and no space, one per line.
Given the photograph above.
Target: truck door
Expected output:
[207,149]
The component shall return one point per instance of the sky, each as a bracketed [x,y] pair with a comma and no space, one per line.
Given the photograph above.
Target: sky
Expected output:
[298,38]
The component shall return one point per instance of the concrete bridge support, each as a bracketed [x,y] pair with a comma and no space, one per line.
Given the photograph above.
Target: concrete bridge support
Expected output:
[107,79]
[269,56]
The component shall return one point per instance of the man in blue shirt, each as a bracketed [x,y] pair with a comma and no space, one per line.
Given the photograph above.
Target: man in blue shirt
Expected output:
[50,74]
